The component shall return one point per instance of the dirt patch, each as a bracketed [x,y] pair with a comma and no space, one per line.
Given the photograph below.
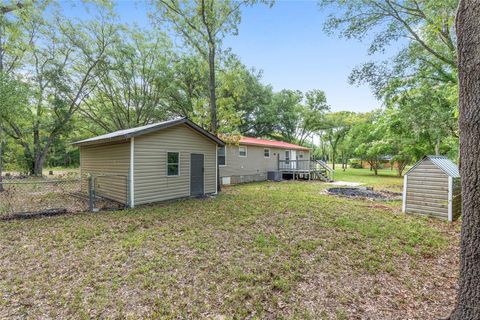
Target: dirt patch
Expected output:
[365,193]
[31,215]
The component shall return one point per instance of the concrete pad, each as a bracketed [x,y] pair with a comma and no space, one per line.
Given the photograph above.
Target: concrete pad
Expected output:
[346,183]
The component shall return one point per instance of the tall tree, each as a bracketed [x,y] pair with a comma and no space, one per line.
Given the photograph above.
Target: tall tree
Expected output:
[468,34]
[203,24]
[12,94]
[132,82]
[312,114]
[11,50]
[59,67]
[426,27]
[335,128]
[287,106]
[244,101]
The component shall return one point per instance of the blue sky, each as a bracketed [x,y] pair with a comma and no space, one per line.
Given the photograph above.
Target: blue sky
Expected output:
[287,42]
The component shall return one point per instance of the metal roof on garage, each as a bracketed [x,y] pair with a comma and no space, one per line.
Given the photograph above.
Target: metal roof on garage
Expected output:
[132,132]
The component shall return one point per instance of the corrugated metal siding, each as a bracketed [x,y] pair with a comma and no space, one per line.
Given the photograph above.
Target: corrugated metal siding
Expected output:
[255,164]
[441,162]
[150,174]
[446,165]
[110,164]
[427,190]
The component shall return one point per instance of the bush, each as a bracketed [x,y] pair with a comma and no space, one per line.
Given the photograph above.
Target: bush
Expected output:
[355,164]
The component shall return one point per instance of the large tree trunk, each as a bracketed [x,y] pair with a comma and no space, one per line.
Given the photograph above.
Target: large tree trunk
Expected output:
[213,96]
[36,151]
[468,33]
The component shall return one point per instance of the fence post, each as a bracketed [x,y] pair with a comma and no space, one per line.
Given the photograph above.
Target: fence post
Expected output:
[90,192]
[128,199]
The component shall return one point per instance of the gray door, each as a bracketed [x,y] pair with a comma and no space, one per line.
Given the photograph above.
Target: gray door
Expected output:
[196,174]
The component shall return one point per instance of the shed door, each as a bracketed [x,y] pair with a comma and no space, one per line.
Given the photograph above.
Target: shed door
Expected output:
[196,174]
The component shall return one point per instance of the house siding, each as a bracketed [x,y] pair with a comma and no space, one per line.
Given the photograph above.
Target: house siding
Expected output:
[427,191]
[254,166]
[150,161]
[109,164]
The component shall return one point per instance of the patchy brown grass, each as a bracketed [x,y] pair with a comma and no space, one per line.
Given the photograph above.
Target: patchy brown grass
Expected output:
[263,250]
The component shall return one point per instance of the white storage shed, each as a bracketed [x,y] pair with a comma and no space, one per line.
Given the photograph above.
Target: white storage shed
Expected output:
[432,187]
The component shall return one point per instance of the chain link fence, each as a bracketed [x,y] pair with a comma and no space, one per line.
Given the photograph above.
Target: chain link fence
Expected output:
[25,196]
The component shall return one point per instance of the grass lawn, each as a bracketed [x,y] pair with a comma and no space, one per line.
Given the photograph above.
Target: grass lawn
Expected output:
[260,250]
[386,179]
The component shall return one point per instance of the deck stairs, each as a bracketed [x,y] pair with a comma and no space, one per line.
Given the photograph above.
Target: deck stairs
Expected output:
[319,170]
[310,169]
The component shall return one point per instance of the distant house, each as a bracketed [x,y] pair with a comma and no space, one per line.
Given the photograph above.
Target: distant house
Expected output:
[250,159]
[156,162]
[432,187]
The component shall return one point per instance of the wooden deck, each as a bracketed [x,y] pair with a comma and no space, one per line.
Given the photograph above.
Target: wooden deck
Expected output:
[306,169]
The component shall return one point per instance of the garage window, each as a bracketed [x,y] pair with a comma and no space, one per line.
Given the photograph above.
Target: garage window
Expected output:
[173,159]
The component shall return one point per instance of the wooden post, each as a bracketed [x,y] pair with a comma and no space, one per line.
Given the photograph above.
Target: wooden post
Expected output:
[90,193]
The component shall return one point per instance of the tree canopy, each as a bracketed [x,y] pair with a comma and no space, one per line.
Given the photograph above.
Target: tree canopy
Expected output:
[83,77]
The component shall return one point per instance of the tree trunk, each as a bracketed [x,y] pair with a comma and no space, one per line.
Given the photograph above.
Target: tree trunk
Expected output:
[400,167]
[213,96]
[437,147]
[468,34]
[36,146]
[38,165]
[333,159]
[374,167]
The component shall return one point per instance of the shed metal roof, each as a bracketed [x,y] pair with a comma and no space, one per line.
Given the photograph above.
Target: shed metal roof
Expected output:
[445,164]
[132,132]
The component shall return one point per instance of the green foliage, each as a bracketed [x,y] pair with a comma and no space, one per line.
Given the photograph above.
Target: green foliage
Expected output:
[58,66]
[418,84]
[202,25]
[133,81]
[92,76]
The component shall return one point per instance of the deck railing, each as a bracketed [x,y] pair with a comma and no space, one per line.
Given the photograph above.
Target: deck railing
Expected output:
[306,165]
[294,165]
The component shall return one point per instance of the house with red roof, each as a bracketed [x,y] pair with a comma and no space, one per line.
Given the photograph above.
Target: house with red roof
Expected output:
[251,159]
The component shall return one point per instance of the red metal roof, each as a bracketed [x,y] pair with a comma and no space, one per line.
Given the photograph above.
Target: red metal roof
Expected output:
[271,143]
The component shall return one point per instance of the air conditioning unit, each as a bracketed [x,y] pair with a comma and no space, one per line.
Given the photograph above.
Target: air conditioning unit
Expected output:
[274,176]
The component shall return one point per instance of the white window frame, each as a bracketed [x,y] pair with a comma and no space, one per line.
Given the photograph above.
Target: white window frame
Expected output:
[178,164]
[287,159]
[264,149]
[225,155]
[246,152]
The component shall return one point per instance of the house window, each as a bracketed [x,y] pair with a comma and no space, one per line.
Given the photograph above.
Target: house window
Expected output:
[266,153]
[242,151]
[287,156]
[221,156]
[173,159]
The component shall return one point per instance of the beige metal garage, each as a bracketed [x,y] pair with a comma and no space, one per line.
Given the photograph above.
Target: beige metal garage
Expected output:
[156,162]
